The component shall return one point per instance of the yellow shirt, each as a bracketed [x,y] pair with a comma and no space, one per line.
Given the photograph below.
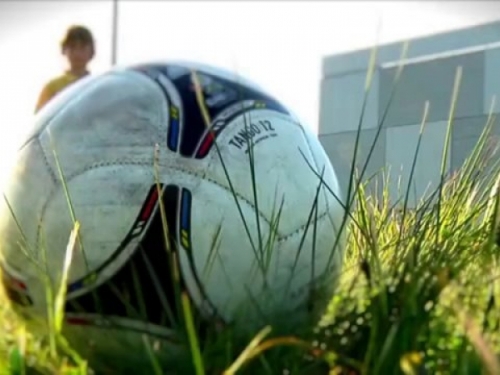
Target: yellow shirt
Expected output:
[53,87]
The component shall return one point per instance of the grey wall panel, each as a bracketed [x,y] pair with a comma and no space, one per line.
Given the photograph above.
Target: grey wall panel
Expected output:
[401,143]
[465,136]
[351,62]
[432,81]
[492,80]
[341,103]
[432,44]
[340,148]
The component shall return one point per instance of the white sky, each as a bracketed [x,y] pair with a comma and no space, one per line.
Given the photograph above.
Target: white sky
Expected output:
[278,44]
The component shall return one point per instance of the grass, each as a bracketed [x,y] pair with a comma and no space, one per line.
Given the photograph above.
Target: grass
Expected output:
[418,293]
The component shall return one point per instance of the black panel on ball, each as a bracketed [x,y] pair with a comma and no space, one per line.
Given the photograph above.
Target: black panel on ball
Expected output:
[218,94]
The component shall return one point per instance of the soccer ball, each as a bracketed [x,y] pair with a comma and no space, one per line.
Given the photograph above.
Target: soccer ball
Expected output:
[185,179]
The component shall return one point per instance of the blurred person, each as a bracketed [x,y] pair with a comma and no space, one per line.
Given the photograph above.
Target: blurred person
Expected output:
[78,47]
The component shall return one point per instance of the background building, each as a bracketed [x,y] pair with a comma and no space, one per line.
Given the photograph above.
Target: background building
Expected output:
[428,74]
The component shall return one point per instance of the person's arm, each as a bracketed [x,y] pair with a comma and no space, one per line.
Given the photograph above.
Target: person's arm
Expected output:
[44,97]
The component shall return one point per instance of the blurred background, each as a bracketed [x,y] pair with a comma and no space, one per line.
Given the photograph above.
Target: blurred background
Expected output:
[280,45]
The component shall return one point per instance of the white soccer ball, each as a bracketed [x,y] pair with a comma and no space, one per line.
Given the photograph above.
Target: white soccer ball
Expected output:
[250,203]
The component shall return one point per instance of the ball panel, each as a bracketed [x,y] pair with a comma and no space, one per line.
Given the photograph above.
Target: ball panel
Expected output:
[141,295]
[286,171]
[308,255]
[99,197]
[331,198]
[229,265]
[58,103]
[120,118]
[223,254]
[330,193]
[26,192]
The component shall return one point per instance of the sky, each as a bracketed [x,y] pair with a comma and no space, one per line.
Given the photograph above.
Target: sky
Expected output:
[278,44]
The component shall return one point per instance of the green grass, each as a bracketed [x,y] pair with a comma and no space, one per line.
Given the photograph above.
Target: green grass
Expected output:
[418,292]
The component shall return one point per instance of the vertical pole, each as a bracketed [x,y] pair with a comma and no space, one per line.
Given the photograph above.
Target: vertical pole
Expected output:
[114,33]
